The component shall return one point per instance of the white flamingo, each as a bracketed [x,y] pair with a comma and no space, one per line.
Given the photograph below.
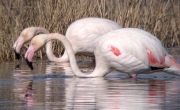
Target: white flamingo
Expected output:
[82,34]
[128,50]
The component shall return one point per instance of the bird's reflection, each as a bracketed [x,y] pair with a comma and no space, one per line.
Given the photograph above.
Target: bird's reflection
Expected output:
[29,94]
[59,69]
[172,95]
[123,94]
[107,93]
[104,93]
[23,88]
[101,93]
[55,68]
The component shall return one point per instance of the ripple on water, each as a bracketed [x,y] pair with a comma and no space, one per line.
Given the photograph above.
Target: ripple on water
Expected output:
[53,86]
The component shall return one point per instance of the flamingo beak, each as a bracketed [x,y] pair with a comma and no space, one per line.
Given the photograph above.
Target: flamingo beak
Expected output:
[29,64]
[29,56]
[17,47]
[17,55]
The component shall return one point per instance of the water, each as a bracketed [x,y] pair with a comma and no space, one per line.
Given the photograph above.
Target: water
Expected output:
[52,86]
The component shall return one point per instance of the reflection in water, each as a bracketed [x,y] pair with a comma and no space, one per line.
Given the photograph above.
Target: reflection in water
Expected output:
[102,93]
[99,93]
[28,94]
[51,96]
[172,95]
[53,86]
[23,90]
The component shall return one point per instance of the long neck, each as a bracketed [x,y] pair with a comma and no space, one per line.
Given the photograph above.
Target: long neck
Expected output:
[41,30]
[71,56]
[49,52]
[51,55]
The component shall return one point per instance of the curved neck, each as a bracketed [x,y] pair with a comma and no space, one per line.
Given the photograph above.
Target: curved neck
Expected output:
[51,55]
[41,30]
[72,58]
[49,52]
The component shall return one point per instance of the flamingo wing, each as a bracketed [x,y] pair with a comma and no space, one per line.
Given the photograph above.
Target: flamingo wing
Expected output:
[123,60]
[131,50]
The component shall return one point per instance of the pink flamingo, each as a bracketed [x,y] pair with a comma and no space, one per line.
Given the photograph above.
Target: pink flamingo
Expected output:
[25,36]
[129,50]
[82,34]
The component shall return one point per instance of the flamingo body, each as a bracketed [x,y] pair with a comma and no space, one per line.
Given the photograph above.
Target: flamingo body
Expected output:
[129,50]
[83,34]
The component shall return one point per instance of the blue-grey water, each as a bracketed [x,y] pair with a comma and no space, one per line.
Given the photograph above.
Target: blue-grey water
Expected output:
[52,86]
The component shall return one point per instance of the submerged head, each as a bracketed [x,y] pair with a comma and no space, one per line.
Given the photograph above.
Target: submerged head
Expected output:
[25,36]
[37,43]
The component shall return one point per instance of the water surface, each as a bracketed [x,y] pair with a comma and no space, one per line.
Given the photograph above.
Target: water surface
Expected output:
[52,86]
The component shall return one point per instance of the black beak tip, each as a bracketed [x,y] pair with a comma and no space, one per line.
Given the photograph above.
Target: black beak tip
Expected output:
[29,64]
[17,55]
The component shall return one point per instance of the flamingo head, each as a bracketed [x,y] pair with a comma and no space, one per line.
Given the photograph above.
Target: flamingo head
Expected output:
[37,43]
[25,36]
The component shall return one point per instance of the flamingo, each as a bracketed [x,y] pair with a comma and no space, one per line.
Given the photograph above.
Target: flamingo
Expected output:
[128,50]
[26,35]
[82,34]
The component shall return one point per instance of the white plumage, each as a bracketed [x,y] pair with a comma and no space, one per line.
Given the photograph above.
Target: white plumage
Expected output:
[128,50]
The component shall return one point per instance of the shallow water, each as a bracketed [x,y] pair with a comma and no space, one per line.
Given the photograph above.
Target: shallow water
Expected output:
[52,86]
